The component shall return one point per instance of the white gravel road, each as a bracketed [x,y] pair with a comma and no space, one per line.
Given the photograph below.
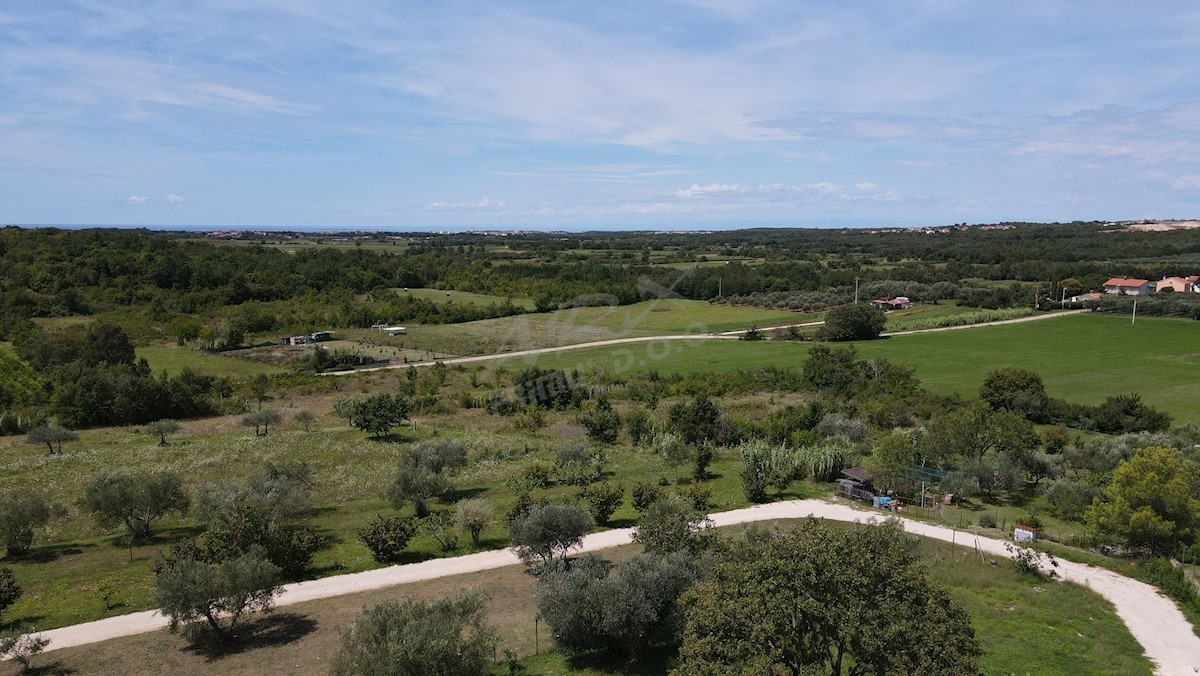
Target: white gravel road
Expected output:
[1154,620]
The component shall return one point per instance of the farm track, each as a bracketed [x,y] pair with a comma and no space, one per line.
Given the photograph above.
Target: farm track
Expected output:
[1153,619]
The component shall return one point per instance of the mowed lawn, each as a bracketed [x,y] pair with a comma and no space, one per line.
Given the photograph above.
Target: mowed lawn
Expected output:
[1025,626]
[451,296]
[1082,358]
[586,324]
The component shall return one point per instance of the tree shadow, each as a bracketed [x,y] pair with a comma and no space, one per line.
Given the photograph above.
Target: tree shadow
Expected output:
[456,494]
[653,660]
[53,669]
[270,631]
[621,523]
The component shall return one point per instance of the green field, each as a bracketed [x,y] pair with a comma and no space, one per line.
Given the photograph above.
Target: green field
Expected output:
[1025,626]
[1082,358]
[452,296]
[170,359]
[586,324]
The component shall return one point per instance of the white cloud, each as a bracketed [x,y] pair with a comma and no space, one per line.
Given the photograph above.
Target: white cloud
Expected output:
[483,203]
[710,189]
[138,199]
[866,186]
[175,199]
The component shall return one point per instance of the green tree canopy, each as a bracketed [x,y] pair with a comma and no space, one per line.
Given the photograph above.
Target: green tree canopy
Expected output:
[218,594]
[853,322]
[1153,501]
[549,532]
[440,637]
[136,500]
[1017,390]
[821,600]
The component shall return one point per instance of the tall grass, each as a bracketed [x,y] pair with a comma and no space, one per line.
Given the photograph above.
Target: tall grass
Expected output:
[965,319]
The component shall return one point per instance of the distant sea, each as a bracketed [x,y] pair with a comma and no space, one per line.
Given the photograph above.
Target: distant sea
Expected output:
[598,227]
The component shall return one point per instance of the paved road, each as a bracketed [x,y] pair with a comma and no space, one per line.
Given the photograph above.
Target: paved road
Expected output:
[728,335]
[1154,620]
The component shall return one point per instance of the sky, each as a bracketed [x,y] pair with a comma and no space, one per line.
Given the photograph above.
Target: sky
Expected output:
[685,114]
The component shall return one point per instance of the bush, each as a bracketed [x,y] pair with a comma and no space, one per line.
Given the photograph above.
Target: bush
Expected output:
[1070,498]
[388,537]
[10,591]
[603,424]
[673,525]
[987,520]
[637,423]
[21,645]
[578,464]
[701,458]
[645,494]
[838,425]
[536,475]
[414,638]
[698,495]
[603,499]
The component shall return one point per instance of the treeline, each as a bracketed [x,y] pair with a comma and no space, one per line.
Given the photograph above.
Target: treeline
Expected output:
[91,377]
[48,272]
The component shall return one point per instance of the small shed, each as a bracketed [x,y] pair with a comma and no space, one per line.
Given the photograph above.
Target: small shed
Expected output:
[1025,533]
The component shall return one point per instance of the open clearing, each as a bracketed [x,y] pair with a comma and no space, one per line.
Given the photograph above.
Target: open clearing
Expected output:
[1082,358]
[1021,621]
[170,359]
[587,324]
[451,296]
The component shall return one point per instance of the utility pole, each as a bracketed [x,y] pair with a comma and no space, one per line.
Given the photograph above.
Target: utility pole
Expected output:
[856,290]
[1133,319]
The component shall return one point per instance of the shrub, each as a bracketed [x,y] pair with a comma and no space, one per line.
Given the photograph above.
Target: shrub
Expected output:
[673,525]
[440,527]
[698,495]
[603,424]
[701,459]
[388,537]
[987,520]
[21,645]
[578,464]
[10,591]
[853,322]
[536,475]
[645,494]
[413,638]
[637,423]
[603,499]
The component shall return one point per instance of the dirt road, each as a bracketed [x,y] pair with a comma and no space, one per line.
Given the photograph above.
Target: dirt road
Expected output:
[728,335]
[1154,620]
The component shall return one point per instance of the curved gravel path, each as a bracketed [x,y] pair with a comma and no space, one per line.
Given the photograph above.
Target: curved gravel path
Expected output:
[1154,620]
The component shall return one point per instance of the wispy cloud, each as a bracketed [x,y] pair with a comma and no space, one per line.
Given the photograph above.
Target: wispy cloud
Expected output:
[175,199]
[137,199]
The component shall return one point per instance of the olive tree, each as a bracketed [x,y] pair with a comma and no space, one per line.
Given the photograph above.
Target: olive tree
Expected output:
[21,514]
[549,532]
[52,436]
[161,428]
[190,591]
[415,638]
[136,500]
[473,515]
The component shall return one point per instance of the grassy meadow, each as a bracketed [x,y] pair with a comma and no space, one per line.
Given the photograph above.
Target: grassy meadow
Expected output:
[1082,358]
[173,359]
[1025,626]
[464,297]
[61,579]
[586,324]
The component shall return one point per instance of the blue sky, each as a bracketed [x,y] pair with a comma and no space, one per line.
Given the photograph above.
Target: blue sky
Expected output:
[685,114]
